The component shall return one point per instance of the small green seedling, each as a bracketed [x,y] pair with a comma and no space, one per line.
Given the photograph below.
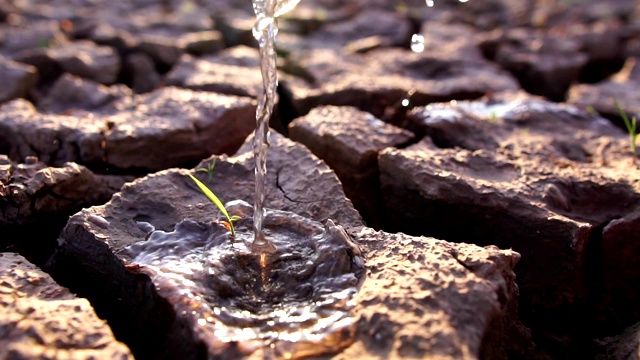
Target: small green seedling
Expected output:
[632,129]
[493,117]
[208,169]
[43,43]
[591,110]
[214,199]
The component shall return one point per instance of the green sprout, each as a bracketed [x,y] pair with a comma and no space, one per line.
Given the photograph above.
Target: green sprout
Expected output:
[216,201]
[493,117]
[591,110]
[208,169]
[632,129]
[43,43]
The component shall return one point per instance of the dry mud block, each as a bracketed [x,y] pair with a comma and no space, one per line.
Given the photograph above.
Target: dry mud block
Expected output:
[153,131]
[600,97]
[150,28]
[384,27]
[379,80]
[69,94]
[23,38]
[623,346]
[80,58]
[93,248]
[166,47]
[562,14]
[33,192]
[54,139]
[164,36]
[173,126]
[304,20]
[352,26]
[521,173]
[235,71]
[548,61]
[617,276]
[42,320]
[349,141]
[431,299]
[17,79]
[545,70]
[36,201]
[450,40]
[140,73]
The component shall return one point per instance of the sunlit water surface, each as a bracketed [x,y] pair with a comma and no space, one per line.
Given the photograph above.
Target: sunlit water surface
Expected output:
[293,302]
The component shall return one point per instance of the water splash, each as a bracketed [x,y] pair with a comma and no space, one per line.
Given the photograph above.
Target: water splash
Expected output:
[294,302]
[511,110]
[417,43]
[265,31]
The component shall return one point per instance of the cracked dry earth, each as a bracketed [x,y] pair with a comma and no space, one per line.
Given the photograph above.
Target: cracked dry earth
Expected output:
[469,154]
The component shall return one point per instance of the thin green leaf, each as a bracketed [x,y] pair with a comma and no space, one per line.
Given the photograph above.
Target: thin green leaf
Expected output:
[235,218]
[214,199]
[631,128]
[634,134]
[591,110]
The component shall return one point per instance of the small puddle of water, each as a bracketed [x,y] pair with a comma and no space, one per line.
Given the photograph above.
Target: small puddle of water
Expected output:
[293,302]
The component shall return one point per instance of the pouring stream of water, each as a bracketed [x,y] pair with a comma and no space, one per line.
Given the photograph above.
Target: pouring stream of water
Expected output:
[265,31]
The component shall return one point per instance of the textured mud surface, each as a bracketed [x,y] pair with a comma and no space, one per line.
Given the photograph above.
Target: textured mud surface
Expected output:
[40,318]
[510,175]
[471,151]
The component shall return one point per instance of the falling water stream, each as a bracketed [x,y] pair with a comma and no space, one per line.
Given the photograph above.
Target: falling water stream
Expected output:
[265,31]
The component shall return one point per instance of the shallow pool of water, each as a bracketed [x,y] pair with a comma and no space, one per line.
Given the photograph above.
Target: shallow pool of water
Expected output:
[294,301]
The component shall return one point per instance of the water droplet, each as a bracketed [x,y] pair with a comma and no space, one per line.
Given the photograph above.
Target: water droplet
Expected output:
[202,322]
[417,43]
[405,102]
[429,3]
